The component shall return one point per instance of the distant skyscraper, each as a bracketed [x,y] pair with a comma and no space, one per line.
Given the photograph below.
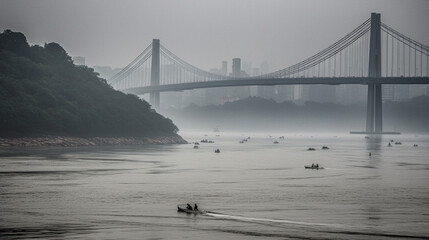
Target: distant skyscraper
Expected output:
[267,92]
[224,68]
[236,67]
[247,67]
[79,60]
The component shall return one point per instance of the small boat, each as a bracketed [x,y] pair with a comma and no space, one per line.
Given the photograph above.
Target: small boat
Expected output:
[182,208]
[275,142]
[217,151]
[398,143]
[195,147]
[313,167]
[311,149]
[325,147]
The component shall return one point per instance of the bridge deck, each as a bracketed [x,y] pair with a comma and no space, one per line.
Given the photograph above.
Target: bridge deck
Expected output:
[278,81]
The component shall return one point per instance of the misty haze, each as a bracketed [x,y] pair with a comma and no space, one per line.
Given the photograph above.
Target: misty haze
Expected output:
[246,119]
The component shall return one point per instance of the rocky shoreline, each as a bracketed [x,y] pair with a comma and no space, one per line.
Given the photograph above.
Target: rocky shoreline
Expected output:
[63,141]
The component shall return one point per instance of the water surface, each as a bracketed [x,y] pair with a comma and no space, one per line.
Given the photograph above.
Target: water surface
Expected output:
[256,189]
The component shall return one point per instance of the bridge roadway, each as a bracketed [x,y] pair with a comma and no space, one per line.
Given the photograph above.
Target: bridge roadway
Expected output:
[277,81]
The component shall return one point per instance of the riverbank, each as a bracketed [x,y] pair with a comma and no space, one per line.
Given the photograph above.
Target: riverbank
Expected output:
[63,141]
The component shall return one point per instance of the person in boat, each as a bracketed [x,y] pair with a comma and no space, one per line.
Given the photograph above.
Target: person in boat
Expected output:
[317,165]
[188,206]
[195,207]
[312,165]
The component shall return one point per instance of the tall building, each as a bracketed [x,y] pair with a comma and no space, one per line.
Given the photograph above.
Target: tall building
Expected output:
[224,68]
[247,68]
[267,92]
[242,91]
[236,67]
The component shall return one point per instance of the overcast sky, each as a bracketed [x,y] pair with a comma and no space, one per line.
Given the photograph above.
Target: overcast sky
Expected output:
[203,32]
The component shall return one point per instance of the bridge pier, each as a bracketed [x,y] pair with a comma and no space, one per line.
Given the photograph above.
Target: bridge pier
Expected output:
[154,98]
[374,109]
[374,119]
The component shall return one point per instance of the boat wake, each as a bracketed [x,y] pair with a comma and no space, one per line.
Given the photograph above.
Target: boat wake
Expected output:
[264,220]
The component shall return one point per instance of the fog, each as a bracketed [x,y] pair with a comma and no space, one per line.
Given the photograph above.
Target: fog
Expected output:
[204,33]
[267,116]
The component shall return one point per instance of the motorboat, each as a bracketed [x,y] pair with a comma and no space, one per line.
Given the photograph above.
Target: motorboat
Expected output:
[182,208]
[217,151]
[311,149]
[325,147]
[313,167]
[275,142]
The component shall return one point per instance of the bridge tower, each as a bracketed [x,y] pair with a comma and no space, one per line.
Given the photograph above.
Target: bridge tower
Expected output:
[374,117]
[154,73]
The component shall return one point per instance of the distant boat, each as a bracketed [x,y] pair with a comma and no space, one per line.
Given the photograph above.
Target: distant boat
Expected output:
[325,147]
[217,151]
[313,167]
[311,149]
[195,147]
[275,142]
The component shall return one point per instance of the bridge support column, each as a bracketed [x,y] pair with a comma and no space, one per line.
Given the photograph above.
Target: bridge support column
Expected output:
[374,118]
[154,74]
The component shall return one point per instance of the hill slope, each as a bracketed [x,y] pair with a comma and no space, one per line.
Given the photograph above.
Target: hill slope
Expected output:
[43,93]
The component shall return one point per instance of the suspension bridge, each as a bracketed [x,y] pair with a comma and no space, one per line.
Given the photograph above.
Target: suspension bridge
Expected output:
[372,54]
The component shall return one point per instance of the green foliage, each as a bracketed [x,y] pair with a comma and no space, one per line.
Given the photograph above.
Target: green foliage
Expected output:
[43,93]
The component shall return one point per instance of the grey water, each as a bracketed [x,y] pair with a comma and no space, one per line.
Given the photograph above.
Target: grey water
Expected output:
[254,190]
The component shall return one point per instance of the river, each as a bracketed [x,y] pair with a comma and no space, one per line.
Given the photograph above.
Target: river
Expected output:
[256,189]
